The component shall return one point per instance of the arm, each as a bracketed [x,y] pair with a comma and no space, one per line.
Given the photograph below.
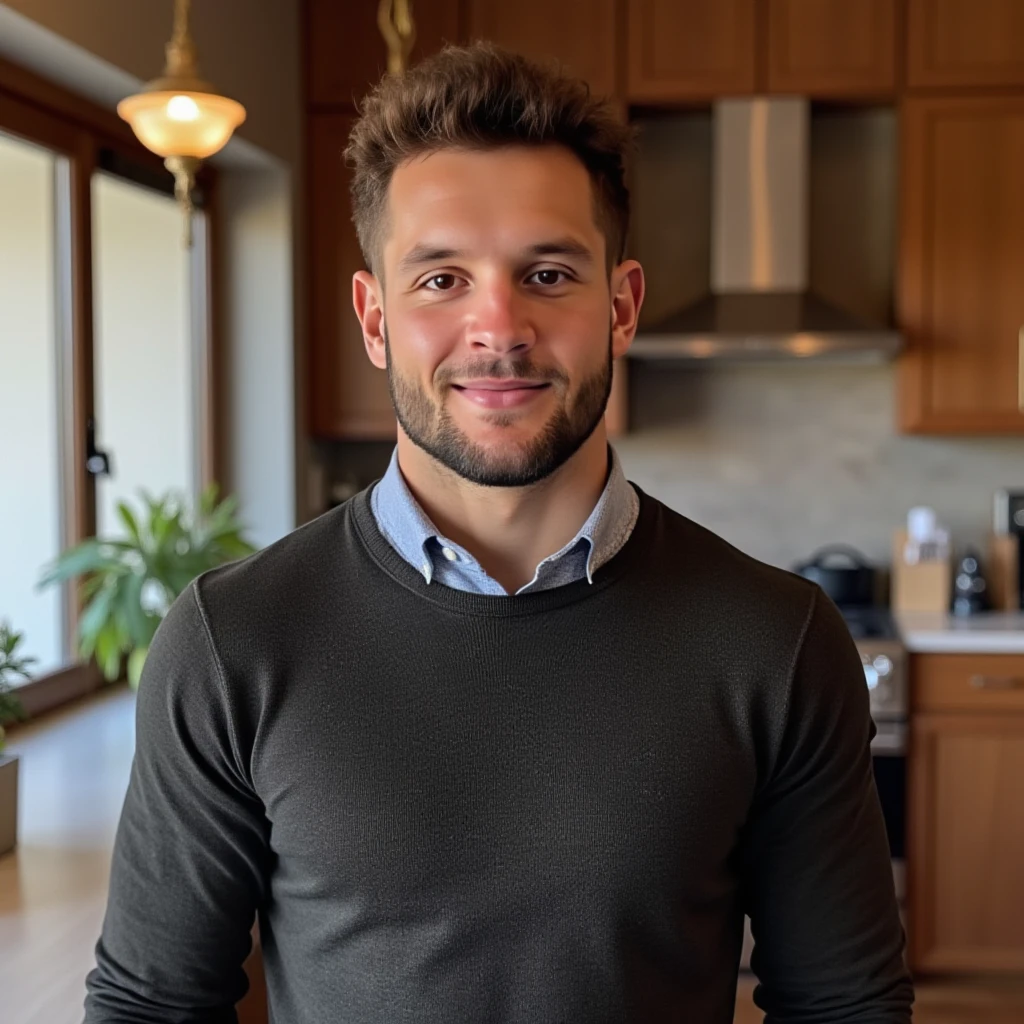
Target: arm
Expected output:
[191,854]
[817,874]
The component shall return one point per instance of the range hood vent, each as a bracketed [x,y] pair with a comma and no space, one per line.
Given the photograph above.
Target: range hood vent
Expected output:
[760,306]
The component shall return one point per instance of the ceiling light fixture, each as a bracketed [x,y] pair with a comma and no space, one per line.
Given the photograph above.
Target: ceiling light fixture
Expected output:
[181,117]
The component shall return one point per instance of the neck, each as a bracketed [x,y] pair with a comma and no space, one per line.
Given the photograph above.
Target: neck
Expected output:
[509,529]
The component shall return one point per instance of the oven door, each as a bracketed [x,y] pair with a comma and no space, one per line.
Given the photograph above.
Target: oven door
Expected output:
[889,760]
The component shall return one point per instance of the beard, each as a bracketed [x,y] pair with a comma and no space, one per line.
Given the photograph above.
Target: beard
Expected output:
[429,424]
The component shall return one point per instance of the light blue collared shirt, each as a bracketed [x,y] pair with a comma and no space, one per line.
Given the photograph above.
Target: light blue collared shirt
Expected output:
[409,531]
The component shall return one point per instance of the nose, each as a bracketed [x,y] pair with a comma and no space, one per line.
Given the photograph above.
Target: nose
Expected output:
[499,319]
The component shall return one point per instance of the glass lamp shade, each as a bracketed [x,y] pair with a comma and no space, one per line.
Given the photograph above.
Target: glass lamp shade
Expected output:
[180,123]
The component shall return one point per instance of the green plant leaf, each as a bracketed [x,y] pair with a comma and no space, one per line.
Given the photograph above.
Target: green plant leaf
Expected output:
[165,545]
[11,665]
[131,523]
[136,621]
[89,556]
[96,617]
[109,652]
[136,661]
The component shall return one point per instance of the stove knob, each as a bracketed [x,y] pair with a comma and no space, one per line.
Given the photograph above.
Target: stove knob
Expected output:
[871,676]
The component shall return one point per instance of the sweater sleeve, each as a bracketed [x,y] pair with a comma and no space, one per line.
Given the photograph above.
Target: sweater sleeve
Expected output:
[828,942]
[190,856]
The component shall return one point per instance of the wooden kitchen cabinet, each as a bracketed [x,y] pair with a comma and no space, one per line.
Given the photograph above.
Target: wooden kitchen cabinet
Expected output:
[345,53]
[965,43]
[966,828]
[960,292]
[832,48]
[580,34]
[682,50]
[349,396]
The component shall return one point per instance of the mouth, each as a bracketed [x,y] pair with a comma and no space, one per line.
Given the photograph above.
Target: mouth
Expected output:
[500,394]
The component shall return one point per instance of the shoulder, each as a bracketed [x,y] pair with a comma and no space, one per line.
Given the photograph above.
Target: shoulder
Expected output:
[286,578]
[714,579]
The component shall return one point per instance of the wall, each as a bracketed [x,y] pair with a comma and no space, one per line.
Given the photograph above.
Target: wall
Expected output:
[782,459]
[256,297]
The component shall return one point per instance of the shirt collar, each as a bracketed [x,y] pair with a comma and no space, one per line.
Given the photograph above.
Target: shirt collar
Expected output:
[411,533]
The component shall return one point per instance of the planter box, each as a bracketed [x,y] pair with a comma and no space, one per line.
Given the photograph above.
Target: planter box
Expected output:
[8,803]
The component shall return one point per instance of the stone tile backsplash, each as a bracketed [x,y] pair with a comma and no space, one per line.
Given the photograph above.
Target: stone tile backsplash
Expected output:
[782,459]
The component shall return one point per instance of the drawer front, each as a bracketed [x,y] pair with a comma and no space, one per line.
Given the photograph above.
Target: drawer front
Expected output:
[967,682]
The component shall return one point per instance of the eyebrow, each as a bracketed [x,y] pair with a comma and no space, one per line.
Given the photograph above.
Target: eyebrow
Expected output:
[422,254]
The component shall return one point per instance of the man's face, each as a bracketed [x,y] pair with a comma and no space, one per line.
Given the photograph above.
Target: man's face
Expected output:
[497,313]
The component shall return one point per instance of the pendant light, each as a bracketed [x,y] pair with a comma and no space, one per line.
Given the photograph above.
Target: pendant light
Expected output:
[180,117]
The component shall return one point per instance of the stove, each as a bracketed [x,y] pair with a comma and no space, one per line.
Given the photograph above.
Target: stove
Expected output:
[885,672]
[884,659]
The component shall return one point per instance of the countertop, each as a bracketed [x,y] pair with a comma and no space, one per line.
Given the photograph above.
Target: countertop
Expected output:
[986,633]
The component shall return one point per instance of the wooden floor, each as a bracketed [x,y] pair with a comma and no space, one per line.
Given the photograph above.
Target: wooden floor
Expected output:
[73,773]
[74,769]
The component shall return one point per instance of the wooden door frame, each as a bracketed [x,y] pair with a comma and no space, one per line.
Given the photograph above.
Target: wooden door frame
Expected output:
[74,128]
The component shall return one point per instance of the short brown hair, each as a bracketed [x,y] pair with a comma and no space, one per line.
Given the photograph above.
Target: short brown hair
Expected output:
[483,97]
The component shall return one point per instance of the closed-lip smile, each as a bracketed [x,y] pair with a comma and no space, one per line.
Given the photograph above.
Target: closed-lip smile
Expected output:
[504,384]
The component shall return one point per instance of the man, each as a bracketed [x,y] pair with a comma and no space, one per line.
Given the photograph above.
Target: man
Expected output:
[502,738]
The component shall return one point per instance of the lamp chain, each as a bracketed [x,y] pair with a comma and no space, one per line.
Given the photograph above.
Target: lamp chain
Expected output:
[395,21]
[184,170]
[181,50]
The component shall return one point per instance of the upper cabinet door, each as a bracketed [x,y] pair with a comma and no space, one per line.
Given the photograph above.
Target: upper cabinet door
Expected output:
[961,280]
[832,47]
[965,43]
[346,53]
[348,395]
[690,49]
[578,33]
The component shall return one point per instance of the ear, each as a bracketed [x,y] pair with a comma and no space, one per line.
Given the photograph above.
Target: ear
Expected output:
[368,302]
[627,290]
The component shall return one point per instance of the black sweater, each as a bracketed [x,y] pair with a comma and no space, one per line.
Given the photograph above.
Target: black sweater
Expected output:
[545,809]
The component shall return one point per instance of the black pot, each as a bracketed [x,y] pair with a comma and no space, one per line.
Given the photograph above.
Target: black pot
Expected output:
[851,582]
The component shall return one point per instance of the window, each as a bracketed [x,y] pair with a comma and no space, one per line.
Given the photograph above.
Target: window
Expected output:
[105,346]
[32,503]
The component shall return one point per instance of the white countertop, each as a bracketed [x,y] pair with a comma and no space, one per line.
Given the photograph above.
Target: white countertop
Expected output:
[987,633]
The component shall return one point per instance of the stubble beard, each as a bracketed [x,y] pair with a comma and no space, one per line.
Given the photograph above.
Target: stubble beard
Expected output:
[430,426]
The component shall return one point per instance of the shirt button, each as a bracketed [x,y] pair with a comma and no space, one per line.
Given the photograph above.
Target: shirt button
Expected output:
[449,554]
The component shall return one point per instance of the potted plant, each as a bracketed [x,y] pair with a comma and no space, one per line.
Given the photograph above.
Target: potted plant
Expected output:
[12,666]
[129,582]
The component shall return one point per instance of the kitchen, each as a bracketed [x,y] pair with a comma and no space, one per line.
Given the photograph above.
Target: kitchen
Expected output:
[859,165]
[877,195]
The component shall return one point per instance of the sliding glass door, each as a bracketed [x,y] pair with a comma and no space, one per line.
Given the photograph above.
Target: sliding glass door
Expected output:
[32,498]
[106,357]
[145,363]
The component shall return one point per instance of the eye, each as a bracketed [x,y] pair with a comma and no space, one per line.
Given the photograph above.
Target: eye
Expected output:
[549,277]
[440,282]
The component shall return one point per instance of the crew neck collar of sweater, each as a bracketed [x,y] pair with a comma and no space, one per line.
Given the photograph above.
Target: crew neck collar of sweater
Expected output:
[390,561]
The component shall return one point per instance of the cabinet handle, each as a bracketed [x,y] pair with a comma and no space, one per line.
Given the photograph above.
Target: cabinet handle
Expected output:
[997,682]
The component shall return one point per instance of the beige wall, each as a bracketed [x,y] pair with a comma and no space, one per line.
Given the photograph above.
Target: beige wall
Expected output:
[247,48]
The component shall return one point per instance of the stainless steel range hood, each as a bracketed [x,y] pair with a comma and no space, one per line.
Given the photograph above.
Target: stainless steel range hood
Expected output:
[760,306]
